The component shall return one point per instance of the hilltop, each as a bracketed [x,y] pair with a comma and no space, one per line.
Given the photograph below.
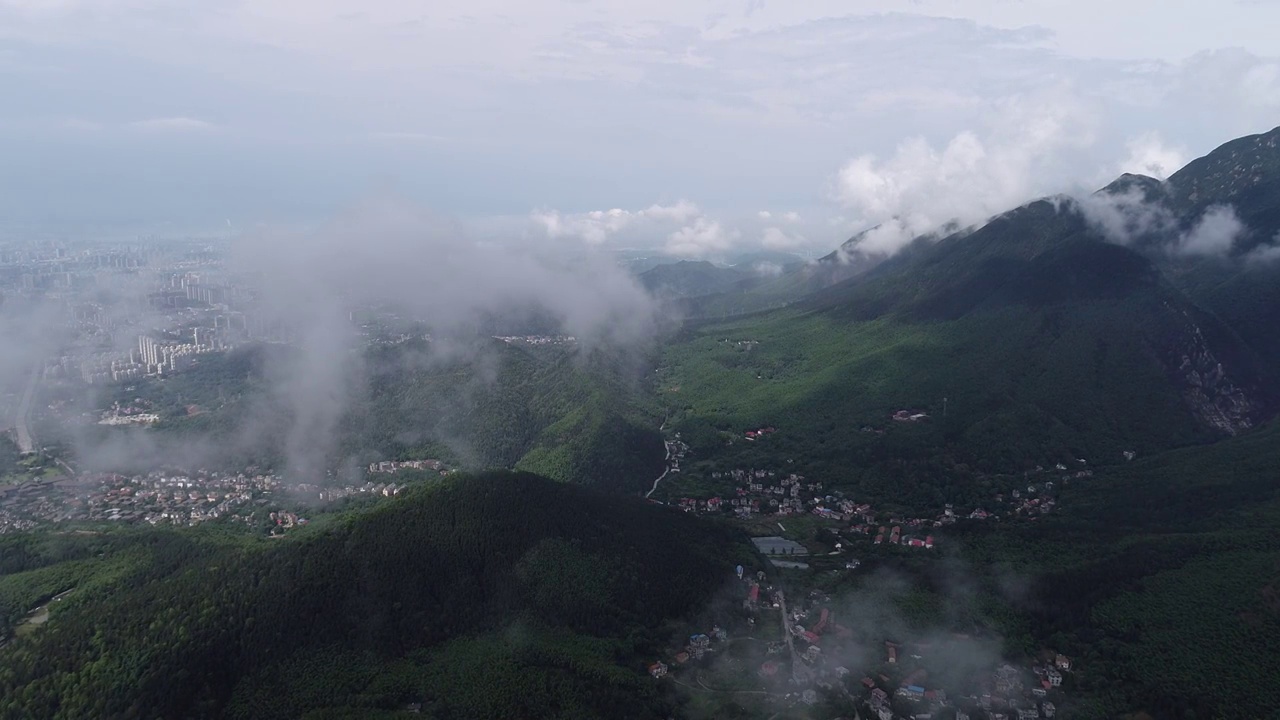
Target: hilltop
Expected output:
[480,596]
[689,277]
[1160,577]
[574,415]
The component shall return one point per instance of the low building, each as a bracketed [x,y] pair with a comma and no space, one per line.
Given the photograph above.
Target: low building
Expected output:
[775,545]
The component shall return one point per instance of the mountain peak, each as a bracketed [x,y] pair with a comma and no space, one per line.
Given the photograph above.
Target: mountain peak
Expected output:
[1244,169]
[1129,182]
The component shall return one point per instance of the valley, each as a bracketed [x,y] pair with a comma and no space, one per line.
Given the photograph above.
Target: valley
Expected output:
[1024,469]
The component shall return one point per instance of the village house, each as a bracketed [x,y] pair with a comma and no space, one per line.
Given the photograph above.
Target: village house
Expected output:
[698,646]
[879,699]
[914,693]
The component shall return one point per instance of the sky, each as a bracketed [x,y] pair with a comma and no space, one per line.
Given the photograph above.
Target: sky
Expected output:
[698,128]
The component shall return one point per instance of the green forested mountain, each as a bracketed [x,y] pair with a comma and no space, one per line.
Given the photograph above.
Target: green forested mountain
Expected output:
[1040,338]
[1159,576]
[570,415]
[1031,339]
[1243,288]
[497,595]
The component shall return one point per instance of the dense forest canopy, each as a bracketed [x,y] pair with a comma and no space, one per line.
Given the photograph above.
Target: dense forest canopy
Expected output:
[409,601]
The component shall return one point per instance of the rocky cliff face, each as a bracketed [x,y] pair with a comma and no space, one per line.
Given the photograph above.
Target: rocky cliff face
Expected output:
[1206,384]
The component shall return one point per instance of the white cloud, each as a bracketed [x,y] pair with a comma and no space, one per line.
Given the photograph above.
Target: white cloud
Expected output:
[768,269]
[701,238]
[592,227]
[172,124]
[1213,234]
[689,84]
[683,211]
[764,215]
[775,238]
[1266,253]
[792,217]
[597,226]
[887,238]
[1123,217]
[921,187]
[1149,155]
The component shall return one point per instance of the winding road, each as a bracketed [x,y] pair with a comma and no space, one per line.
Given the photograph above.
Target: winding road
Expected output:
[665,470]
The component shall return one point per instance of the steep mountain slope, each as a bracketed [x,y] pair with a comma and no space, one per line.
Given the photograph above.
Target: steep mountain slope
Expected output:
[1242,288]
[1047,340]
[1160,577]
[500,595]
[1244,173]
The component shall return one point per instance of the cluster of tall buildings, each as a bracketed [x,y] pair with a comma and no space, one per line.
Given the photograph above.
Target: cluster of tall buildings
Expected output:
[159,358]
[151,357]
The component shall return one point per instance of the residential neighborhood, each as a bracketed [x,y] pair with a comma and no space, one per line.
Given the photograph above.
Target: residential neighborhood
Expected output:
[177,497]
[803,651]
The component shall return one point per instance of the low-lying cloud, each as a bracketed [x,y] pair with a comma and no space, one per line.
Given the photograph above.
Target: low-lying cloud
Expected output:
[700,238]
[1133,216]
[682,229]
[1126,216]
[597,226]
[775,238]
[969,179]
[1149,155]
[383,255]
[386,253]
[1266,253]
[1214,233]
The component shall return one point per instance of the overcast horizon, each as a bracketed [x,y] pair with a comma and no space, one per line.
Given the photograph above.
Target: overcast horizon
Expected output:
[696,129]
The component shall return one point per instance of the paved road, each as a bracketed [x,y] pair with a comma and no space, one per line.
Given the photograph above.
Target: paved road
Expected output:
[22,419]
[786,631]
[666,470]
